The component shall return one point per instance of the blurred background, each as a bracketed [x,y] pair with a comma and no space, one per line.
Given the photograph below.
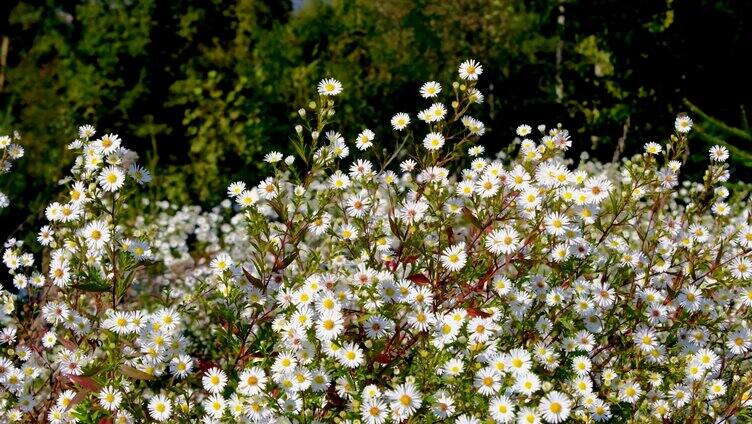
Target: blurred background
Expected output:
[202,88]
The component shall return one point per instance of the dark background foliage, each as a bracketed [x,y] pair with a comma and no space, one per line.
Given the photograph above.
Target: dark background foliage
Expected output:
[202,88]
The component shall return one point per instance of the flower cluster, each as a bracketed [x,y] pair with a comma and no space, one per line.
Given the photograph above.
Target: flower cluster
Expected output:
[9,152]
[421,281]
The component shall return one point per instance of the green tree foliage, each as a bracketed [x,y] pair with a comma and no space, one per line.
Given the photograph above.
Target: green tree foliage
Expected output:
[207,86]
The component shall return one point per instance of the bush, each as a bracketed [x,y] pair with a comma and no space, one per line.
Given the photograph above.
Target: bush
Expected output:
[421,283]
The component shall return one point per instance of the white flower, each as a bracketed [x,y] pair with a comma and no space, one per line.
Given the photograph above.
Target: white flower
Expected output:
[470,70]
[214,380]
[273,157]
[181,365]
[719,153]
[524,130]
[502,241]
[374,411]
[351,356]
[556,223]
[400,121]
[433,141]
[107,144]
[86,131]
[405,399]
[214,405]
[430,89]
[251,381]
[683,123]
[555,407]
[653,148]
[110,398]
[97,235]
[501,409]
[454,257]
[329,87]
[160,408]
[111,178]
[364,139]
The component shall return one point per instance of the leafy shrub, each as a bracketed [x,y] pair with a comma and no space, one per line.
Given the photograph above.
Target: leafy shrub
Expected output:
[421,283]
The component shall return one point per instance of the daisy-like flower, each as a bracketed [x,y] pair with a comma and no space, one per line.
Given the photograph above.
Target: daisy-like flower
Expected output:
[487,381]
[528,416]
[251,381]
[527,383]
[443,406]
[268,189]
[329,87]
[653,148]
[405,399]
[107,144]
[470,70]
[364,140]
[181,365]
[501,409]
[519,361]
[683,123]
[555,407]
[234,189]
[524,130]
[214,380]
[581,365]
[160,408]
[400,121]
[739,342]
[140,175]
[741,268]
[339,181]
[630,392]
[97,235]
[351,355]
[413,212]
[77,193]
[433,141]
[716,389]
[49,339]
[487,186]
[430,89]
[86,131]
[215,405]
[111,178]
[502,241]
[436,112]
[374,411]
[110,398]
[556,223]
[118,323]
[248,198]
[273,157]
[454,257]
[719,153]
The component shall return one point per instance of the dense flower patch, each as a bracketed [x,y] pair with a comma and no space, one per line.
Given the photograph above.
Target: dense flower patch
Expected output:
[422,283]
